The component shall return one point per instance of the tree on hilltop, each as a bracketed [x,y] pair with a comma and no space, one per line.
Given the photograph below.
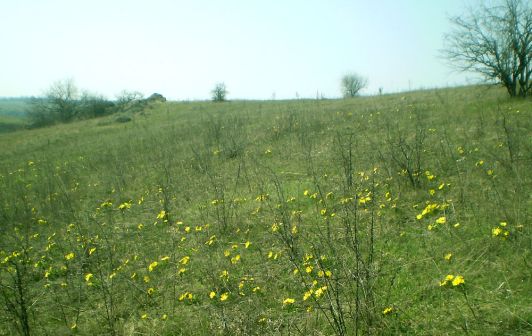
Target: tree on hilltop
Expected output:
[219,93]
[351,84]
[495,42]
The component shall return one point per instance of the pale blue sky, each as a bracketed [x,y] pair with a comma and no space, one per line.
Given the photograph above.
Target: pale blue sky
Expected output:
[182,48]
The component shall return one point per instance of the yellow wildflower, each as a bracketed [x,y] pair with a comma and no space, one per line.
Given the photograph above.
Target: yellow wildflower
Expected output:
[162,214]
[319,292]
[125,206]
[152,266]
[224,296]
[186,295]
[448,278]
[458,280]
[448,256]
[288,301]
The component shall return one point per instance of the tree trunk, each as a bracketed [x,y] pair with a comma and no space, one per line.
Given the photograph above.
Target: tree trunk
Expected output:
[512,89]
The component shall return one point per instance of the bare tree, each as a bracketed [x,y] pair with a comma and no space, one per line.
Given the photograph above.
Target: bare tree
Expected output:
[352,84]
[60,104]
[130,101]
[495,42]
[219,93]
[62,96]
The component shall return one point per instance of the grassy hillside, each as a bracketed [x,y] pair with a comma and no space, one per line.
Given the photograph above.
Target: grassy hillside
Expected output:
[11,123]
[12,114]
[397,214]
[13,106]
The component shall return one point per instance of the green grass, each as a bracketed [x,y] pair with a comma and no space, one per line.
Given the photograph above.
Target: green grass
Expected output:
[127,228]
[12,114]
[11,123]
[13,106]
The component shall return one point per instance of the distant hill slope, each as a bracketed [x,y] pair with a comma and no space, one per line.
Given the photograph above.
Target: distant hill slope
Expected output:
[14,106]
[400,214]
[13,113]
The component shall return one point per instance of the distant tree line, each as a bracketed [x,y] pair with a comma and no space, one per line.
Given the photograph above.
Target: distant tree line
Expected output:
[63,103]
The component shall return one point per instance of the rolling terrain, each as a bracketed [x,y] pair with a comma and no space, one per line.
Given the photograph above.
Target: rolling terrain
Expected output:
[395,214]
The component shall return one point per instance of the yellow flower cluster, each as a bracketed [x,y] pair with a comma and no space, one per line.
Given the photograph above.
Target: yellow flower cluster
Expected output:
[453,280]
[500,231]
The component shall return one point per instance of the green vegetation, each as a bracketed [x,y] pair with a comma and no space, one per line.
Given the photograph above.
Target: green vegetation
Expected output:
[63,104]
[15,107]
[396,214]
[11,123]
[495,42]
[219,93]
[12,114]
[351,84]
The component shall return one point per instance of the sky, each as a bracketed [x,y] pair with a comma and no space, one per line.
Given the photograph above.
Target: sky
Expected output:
[279,49]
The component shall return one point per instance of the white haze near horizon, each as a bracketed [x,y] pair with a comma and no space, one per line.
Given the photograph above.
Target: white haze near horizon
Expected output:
[259,49]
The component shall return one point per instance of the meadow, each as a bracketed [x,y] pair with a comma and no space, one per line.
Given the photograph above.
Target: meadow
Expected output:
[12,112]
[396,214]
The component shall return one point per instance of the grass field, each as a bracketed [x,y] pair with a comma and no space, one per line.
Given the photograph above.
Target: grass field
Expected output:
[396,214]
[12,114]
